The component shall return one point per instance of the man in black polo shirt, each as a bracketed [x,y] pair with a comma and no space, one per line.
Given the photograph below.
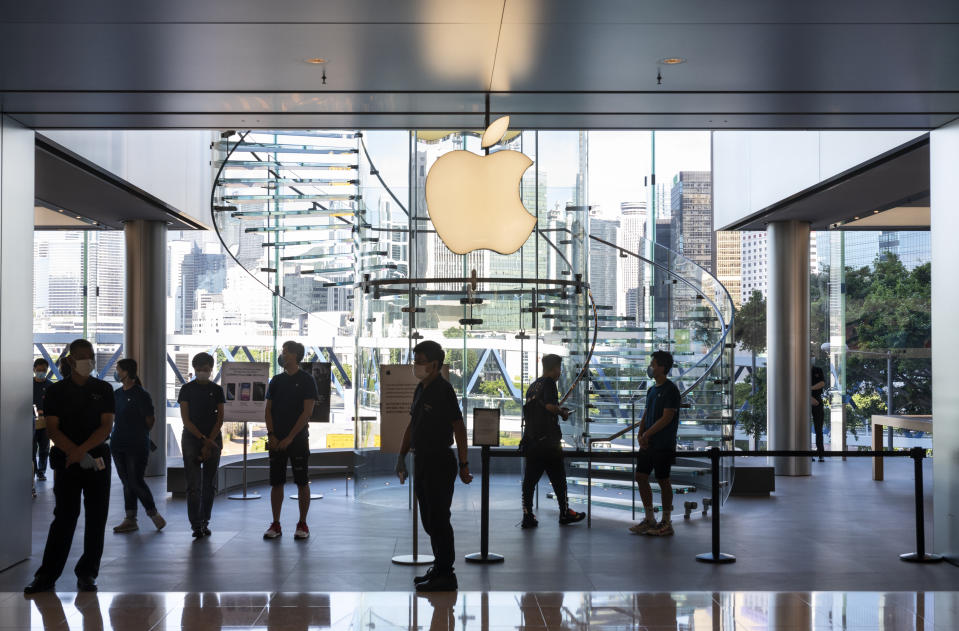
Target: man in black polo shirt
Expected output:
[542,443]
[289,405]
[79,415]
[657,444]
[435,420]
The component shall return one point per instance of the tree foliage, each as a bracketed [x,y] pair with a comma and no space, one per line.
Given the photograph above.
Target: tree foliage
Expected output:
[751,323]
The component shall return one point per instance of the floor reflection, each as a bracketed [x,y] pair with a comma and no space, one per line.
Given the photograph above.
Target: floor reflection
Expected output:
[487,611]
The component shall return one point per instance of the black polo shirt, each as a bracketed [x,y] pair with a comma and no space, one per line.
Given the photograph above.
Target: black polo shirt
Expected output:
[39,390]
[78,410]
[540,422]
[434,410]
[202,400]
[287,395]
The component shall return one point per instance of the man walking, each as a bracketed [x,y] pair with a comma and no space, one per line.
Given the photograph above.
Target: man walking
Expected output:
[289,405]
[41,441]
[79,415]
[542,443]
[657,444]
[435,421]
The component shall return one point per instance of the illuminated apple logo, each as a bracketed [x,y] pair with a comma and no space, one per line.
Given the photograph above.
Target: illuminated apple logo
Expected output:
[474,200]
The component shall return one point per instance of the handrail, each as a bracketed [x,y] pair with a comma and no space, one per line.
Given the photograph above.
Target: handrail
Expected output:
[376,172]
[718,356]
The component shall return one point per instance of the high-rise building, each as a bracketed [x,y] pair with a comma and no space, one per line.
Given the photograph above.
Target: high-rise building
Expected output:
[633,219]
[754,261]
[661,281]
[200,270]
[729,264]
[604,262]
[692,212]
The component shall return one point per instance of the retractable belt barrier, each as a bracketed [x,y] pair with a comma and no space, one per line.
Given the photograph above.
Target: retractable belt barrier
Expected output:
[715,454]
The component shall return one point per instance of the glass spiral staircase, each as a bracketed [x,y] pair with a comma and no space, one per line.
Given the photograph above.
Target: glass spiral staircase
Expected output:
[309,216]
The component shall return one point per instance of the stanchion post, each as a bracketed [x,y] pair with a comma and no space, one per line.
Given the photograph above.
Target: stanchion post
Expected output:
[484,555]
[920,556]
[416,558]
[245,495]
[715,556]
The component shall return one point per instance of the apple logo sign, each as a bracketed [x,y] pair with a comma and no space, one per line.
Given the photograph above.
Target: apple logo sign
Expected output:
[474,200]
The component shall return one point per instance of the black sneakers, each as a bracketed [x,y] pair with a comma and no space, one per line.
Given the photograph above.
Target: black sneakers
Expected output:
[439,583]
[569,516]
[39,585]
[529,520]
[425,577]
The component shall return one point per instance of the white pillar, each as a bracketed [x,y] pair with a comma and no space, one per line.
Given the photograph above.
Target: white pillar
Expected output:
[944,167]
[16,338]
[787,343]
[144,327]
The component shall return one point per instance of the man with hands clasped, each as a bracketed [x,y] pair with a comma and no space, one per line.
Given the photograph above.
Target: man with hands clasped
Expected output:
[435,421]
[657,444]
[289,406]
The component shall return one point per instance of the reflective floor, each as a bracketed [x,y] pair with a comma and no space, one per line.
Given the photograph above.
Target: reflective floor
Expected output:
[368,611]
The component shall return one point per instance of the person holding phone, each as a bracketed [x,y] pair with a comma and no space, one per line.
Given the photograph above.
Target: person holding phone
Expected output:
[542,443]
[79,414]
[435,420]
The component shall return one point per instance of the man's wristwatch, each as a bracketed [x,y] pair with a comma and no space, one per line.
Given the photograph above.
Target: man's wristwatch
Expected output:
[464,465]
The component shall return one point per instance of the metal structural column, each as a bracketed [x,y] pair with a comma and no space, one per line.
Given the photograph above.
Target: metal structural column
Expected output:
[144,328]
[17,148]
[787,344]
[944,195]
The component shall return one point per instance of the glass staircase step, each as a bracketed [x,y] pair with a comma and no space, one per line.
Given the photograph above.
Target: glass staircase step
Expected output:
[269,147]
[612,483]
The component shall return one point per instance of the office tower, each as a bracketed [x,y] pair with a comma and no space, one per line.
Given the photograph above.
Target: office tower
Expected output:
[200,270]
[604,263]
[692,212]
[729,264]
[633,219]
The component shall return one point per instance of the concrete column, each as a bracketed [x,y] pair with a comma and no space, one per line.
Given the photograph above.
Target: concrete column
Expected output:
[144,328]
[944,164]
[16,338]
[787,343]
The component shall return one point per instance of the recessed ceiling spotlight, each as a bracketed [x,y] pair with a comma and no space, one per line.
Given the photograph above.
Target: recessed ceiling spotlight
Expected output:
[855,218]
[672,61]
[315,60]
[875,212]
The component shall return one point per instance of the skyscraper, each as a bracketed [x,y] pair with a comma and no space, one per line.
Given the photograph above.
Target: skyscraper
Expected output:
[633,218]
[692,213]
[729,264]
[604,263]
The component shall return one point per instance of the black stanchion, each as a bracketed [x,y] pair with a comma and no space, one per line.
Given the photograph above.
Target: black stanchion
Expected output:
[715,556]
[484,555]
[920,555]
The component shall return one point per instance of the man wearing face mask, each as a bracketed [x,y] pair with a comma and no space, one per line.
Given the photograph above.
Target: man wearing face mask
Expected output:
[201,409]
[289,406]
[435,421]
[41,442]
[542,443]
[657,444]
[79,415]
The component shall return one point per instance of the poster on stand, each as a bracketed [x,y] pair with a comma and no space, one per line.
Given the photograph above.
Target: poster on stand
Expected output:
[321,375]
[244,386]
[397,385]
[486,427]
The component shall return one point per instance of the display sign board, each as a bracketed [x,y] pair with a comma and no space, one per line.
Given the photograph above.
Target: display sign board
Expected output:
[397,385]
[486,427]
[244,385]
[321,375]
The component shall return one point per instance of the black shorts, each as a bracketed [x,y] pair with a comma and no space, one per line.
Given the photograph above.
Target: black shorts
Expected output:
[649,460]
[298,455]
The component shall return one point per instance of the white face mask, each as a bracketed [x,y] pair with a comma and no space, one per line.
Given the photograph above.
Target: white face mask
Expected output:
[40,374]
[420,372]
[203,375]
[84,367]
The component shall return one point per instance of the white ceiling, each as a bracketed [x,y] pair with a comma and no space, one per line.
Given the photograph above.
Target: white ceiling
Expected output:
[430,63]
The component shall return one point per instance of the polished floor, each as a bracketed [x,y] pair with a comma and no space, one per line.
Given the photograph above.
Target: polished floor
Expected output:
[836,530]
[487,611]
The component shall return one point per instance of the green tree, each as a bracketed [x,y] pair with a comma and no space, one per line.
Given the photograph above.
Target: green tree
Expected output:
[752,419]
[750,328]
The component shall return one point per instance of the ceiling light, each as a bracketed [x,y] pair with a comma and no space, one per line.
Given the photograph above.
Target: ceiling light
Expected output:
[672,61]
[315,60]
